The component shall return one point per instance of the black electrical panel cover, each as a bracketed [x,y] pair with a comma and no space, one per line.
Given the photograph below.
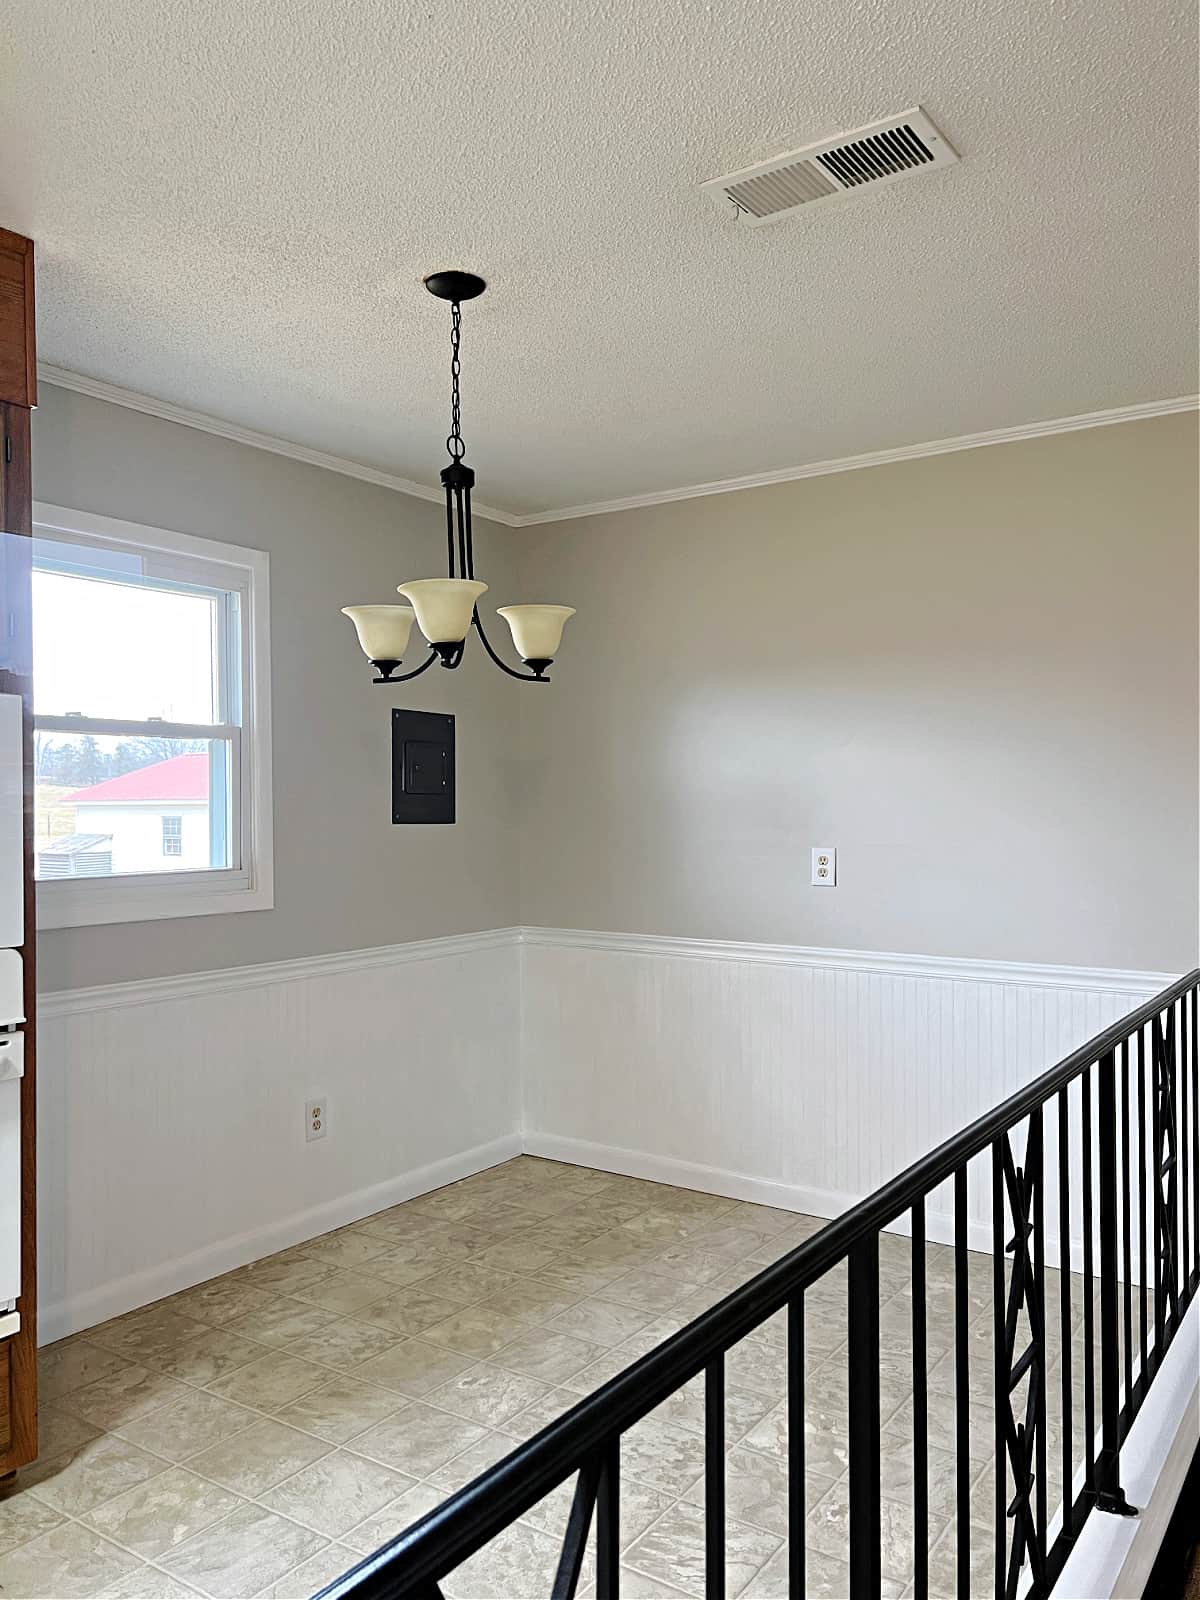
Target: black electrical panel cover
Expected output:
[422,767]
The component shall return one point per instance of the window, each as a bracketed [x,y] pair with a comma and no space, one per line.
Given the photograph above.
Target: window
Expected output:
[151,722]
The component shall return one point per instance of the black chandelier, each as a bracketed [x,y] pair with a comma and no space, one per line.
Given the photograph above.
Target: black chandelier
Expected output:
[445,609]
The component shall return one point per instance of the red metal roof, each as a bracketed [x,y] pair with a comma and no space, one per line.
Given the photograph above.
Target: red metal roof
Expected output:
[178,778]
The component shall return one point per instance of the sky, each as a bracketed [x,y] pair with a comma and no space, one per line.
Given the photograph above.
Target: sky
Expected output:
[113,650]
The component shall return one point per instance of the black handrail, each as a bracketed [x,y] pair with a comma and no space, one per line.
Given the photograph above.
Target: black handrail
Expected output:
[582,1439]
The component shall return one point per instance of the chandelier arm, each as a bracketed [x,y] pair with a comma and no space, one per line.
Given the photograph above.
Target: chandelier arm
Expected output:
[415,673]
[521,677]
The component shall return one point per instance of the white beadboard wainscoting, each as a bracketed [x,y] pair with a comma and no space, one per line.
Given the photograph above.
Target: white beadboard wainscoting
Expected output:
[171,1114]
[800,1078]
[171,1121]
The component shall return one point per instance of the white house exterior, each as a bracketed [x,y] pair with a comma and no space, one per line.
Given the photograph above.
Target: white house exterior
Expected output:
[157,817]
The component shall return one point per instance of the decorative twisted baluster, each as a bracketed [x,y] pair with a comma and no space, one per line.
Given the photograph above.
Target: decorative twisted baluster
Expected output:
[1024,1435]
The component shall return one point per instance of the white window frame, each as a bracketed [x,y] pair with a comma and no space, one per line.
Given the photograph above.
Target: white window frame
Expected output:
[137,897]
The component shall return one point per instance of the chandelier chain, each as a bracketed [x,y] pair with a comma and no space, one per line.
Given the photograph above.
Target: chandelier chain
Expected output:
[454,443]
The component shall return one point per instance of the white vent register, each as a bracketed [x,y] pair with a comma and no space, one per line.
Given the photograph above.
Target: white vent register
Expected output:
[882,152]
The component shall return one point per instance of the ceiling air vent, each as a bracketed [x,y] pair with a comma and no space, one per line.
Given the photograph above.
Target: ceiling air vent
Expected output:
[882,152]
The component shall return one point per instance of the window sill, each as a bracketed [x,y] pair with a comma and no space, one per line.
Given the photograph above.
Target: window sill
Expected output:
[92,902]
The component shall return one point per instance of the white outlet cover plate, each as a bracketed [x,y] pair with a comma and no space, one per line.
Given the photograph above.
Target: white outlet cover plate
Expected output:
[824,866]
[310,1109]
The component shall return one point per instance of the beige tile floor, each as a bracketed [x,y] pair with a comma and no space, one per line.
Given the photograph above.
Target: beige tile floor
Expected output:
[256,1435]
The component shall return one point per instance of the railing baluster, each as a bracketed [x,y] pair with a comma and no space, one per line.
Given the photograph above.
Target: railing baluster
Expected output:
[962,1394]
[1171,1169]
[1144,1254]
[920,1407]
[1156,1055]
[1064,1307]
[863,1362]
[1109,1494]
[999,1358]
[608,1524]
[570,1562]
[1181,1146]
[1024,1424]
[714,1480]
[1035,1173]
[796,1467]
[1126,1232]
[1194,999]
[1089,1332]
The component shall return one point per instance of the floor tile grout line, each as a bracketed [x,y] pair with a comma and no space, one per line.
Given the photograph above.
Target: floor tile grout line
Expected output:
[80,1518]
[208,1527]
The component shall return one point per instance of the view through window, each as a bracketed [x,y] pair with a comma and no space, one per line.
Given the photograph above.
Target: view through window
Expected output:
[137,706]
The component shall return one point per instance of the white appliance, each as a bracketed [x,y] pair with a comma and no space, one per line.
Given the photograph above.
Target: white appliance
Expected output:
[12,1010]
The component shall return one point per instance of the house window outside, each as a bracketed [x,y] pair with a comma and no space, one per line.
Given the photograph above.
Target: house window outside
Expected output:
[151,722]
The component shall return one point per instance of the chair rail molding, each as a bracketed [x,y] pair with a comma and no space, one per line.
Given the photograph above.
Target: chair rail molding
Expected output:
[1104,980]
[220,980]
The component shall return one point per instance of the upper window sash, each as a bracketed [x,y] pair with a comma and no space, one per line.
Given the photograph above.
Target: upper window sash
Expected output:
[106,559]
[119,560]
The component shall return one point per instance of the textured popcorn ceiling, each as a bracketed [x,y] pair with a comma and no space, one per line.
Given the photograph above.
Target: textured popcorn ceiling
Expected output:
[235,202]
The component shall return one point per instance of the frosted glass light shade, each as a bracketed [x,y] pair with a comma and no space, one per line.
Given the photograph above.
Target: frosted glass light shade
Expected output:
[443,606]
[536,630]
[382,630]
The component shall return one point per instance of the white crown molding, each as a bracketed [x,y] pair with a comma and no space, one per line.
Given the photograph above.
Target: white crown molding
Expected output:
[63,378]
[97,389]
[960,970]
[191,985]
[873,458]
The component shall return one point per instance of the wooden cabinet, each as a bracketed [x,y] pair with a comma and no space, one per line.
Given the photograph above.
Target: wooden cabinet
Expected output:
[18,393]
[18,364]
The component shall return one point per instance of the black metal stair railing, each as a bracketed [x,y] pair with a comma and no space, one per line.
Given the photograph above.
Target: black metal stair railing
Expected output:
[1126,1109]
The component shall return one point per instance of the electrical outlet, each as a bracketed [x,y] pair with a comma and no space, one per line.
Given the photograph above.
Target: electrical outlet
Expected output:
[824,866]
[316,1119]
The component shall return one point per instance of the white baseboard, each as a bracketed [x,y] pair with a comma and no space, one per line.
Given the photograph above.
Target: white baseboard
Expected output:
[939,1225]
[688,1175]
[810,1202]
[56,1321]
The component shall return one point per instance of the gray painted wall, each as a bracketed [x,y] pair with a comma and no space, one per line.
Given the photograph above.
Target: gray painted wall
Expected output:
[345,878]
[974,674]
